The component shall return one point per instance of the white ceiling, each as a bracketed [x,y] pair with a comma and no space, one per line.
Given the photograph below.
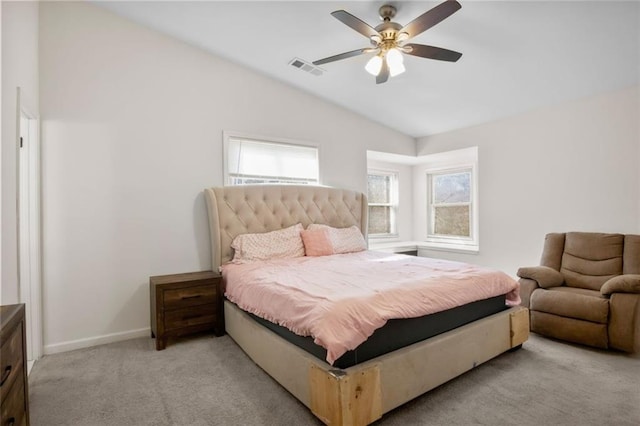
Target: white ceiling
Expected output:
[517,55]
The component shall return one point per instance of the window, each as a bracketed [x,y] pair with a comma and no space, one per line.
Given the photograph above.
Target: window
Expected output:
[451,207]
[250,160]
[383,203]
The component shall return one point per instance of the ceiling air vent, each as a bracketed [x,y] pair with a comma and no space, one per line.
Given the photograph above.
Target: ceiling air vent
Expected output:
[306,66]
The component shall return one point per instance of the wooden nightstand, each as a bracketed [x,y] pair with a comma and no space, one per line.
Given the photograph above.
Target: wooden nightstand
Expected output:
[14,389]
[183,304]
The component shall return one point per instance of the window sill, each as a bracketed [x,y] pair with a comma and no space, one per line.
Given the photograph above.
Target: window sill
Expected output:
[393,246]
[454,248]
[400,246]
[383,238]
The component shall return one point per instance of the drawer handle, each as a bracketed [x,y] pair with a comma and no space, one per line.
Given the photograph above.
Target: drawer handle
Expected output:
[188,317]
[11,421]
[5,375]
[191,297]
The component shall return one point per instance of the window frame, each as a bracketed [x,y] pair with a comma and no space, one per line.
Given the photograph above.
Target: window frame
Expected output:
[393,204]
[227,136]
[453,241]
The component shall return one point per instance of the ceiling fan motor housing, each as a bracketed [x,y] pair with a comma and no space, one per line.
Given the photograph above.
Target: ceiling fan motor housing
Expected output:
[388,30]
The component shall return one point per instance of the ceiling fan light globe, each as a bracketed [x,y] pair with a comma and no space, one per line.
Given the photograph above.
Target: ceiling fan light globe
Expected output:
[396,69]
[374,65]
[394,57]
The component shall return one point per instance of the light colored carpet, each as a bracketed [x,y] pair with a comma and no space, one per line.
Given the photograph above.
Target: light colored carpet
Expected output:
[210,381]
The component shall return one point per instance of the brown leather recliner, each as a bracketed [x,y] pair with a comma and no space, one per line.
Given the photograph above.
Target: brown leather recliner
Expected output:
[587,290]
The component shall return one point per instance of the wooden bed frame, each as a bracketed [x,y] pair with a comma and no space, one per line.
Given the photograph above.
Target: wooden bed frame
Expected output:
[361,394]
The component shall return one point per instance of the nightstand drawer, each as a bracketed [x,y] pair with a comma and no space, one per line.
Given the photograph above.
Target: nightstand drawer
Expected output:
[13,411]
[189,296]
[10,361]
[189,317]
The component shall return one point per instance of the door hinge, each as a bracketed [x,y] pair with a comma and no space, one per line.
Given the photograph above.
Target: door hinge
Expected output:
[20,141]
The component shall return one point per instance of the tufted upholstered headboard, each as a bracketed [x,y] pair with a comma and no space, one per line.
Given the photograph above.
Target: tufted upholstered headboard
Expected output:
[235,210]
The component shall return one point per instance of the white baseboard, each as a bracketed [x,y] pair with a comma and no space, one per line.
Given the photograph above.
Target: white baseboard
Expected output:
[95,341]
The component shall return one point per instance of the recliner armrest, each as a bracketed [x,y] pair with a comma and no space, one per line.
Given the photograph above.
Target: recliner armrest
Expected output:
[545,277]
[628,283]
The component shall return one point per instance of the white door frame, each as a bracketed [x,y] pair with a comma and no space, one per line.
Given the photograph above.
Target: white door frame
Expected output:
[28,207]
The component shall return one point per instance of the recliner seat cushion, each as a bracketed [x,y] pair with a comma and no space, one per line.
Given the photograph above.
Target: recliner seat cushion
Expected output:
[590,259]
[577,303]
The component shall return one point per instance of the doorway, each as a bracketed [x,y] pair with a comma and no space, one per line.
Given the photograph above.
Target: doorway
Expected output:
[28,228]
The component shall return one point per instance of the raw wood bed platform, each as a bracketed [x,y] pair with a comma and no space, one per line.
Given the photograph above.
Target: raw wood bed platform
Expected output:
[361,394]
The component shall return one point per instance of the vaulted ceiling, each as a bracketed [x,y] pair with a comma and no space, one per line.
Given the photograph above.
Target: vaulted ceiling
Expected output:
[517,55]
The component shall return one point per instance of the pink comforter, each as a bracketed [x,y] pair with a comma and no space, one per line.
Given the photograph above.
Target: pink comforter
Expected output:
[341,300]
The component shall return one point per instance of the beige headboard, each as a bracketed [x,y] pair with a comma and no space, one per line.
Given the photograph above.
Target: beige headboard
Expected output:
[235,210]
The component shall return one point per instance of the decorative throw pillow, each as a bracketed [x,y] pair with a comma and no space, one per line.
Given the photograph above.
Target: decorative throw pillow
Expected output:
[343,240]
[317,242]
[280,244]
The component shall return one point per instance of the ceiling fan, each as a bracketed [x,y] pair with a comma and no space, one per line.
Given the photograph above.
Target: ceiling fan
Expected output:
[389,40]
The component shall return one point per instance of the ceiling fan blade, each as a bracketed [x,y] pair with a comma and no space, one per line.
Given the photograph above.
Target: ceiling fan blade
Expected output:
[431,52]
[383,75]
[344,55]
[431,18]
[355,23]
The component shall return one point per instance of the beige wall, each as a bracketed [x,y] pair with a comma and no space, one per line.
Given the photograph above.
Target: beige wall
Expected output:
[132,125]
[569,167]
[19,69]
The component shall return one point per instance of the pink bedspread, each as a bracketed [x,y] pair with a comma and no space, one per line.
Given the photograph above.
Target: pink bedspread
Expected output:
[341,300]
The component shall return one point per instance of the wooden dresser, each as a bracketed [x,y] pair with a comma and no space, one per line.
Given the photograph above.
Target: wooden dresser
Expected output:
[183,304]
[14,392]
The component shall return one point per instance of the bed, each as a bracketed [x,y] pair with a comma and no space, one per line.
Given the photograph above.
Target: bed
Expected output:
[356,391]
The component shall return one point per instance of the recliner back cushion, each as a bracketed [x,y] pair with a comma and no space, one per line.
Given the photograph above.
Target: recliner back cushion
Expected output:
[631,260]
[590,258]
[552,252]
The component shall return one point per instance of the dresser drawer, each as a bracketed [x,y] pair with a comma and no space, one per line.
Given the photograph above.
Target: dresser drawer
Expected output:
[10,361]
[189,317]
[13,411]
[189,296]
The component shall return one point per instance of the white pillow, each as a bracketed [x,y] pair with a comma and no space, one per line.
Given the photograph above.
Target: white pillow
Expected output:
[344,240]
[280,244]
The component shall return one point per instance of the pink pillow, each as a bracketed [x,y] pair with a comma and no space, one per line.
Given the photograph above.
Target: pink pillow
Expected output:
[316,243]
[343,240]
[280,244]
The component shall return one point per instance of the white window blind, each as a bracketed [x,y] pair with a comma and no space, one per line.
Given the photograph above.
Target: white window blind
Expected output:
[382,196]
[452,210]
[256,161]
[450,203]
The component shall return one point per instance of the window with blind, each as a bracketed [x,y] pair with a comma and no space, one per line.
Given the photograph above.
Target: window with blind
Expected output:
[451,206]
[250,160]
[382,195]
